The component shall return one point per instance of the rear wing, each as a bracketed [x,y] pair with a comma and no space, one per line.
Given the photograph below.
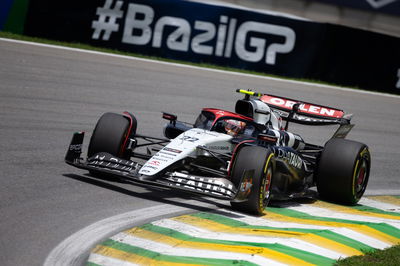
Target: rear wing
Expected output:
[304,112]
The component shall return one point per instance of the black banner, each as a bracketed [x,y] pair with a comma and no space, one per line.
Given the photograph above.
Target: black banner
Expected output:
[224,36]
[186,31]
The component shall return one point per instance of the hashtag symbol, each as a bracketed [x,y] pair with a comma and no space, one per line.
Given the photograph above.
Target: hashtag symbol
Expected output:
[107,22]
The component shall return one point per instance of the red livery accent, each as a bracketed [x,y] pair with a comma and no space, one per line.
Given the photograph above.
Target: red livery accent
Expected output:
[306,108]
[128,133]
[221,113]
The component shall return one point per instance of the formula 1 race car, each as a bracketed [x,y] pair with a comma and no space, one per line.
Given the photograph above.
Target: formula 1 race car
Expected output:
[247,157]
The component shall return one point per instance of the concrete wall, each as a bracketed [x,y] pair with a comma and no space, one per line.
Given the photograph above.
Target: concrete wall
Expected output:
[317,11]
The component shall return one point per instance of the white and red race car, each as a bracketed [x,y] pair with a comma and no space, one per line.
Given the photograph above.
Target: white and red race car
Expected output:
[247,157]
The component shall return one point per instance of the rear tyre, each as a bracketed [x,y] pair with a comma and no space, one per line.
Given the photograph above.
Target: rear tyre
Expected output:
[343,171]
[110,135]
[262,161]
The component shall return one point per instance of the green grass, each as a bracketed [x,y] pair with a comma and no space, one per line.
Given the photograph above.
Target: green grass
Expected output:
[10,35]
[387,257]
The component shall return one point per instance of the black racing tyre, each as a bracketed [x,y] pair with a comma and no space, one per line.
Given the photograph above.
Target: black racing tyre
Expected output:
[262,161]
[110,135]
[343,171]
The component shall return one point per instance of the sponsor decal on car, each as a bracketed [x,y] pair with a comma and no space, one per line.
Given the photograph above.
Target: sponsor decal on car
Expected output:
[304,107]
[154,162]
[149,166]
[292,158]
[204,184]
[171,150]
[166,155]
[161,159]
[75,147]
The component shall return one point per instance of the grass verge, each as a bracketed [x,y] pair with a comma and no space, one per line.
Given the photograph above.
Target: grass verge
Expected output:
[387,257]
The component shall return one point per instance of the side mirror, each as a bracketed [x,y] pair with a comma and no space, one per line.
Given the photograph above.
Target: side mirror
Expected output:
[172,118]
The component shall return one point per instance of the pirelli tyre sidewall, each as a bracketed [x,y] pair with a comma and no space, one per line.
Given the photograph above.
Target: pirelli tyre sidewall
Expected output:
[343,171]
[110,135]
[262,160]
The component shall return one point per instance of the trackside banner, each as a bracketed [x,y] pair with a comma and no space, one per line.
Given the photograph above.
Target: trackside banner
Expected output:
[195,32]
[224,36]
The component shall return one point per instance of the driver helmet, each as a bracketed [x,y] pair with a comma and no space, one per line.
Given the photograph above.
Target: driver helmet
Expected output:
[234,127]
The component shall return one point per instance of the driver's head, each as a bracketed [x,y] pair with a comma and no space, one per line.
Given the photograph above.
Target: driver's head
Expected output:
[233,127]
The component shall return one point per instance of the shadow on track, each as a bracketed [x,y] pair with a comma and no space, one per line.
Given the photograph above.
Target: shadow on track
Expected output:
[156,194]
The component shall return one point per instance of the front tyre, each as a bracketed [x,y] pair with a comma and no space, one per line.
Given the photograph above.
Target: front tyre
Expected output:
[261,160]
[343,171]
[110,135]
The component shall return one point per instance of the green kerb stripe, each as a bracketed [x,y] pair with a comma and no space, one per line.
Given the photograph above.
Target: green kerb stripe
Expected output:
[382,227]
[92,264]
[322,233]
[300,254]
[168,258]
[374,210]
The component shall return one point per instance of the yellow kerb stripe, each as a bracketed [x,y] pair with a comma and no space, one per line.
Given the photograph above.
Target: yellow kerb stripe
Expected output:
[343,209]
[308,237]
[362,229]
[386,199]
[262,252]
[131,257]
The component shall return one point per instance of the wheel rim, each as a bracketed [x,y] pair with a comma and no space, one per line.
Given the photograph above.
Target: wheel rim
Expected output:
[361,174]
[267,185]
[361,178]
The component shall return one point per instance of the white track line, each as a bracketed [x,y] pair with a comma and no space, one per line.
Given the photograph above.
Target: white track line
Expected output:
[72,250]
[202,68]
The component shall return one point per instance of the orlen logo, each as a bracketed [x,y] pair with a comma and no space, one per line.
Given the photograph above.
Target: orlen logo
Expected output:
[304,107]
[225,38]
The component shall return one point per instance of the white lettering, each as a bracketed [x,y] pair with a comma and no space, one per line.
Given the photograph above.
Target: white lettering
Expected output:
[328,112]
[231,35]
[220,40]
[221,36]
[179,39]
[277,101]
[258,45]
[313,109]
[132,23]
[289,104]
[198,40]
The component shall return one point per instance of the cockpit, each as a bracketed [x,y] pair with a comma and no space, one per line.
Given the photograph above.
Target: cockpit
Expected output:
[228,123]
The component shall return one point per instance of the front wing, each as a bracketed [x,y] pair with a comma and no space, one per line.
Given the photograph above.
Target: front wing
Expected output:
[105,163]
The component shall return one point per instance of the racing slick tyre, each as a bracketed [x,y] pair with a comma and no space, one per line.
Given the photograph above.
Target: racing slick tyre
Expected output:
[261,160]
[343,171]
[110,135]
